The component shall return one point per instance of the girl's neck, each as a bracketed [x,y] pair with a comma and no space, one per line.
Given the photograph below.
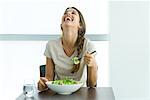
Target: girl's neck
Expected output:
[68,46]
[69,38]
[68,42]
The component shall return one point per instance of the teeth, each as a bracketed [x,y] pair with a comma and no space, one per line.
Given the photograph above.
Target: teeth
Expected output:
[68,19]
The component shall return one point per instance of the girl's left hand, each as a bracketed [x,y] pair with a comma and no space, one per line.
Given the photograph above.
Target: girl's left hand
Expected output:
[89,60]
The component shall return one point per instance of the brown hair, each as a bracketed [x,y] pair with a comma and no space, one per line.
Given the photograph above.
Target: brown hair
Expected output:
[80,39]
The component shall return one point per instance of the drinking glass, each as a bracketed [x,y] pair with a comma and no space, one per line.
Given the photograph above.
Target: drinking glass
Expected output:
[29,88]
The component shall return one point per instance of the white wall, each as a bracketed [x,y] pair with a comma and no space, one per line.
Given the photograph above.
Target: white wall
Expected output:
[21,59]
[44,16]
[128,0]
[129,49]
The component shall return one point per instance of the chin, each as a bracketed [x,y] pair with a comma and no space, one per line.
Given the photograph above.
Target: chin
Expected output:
[67,25]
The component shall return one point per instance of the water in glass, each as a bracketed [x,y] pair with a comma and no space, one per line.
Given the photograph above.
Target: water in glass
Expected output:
[29,88]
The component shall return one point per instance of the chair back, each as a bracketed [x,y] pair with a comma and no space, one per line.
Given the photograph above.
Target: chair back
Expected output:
[42,70]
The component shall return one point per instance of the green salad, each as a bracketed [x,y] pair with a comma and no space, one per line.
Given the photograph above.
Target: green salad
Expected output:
[75,60]
[65,82]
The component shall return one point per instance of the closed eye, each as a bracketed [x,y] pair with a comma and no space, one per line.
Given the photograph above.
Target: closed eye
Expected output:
[74,12]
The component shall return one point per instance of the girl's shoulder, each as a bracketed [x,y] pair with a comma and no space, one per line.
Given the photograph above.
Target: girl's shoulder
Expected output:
[89,45]
[88,42]
[54,41]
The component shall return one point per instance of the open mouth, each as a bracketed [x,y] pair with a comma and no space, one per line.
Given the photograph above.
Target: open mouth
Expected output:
[68,19]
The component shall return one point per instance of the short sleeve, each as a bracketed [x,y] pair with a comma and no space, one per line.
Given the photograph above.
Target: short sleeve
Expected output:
[47,52]
[91,47]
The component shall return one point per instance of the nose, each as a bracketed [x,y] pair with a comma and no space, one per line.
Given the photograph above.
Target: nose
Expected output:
[68,13]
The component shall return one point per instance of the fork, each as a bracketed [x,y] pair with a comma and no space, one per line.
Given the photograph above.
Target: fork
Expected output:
[90,53]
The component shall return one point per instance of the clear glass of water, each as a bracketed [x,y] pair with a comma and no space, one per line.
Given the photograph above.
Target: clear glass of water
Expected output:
[29,88]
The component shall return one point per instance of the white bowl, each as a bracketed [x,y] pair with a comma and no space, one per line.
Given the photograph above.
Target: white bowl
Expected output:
[64,89]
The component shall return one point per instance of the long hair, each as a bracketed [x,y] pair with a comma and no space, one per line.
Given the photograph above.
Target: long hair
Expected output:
[80,39]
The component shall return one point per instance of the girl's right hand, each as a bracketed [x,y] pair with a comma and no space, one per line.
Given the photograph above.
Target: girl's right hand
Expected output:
[41,84]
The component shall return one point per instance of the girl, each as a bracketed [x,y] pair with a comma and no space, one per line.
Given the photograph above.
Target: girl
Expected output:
[59,53]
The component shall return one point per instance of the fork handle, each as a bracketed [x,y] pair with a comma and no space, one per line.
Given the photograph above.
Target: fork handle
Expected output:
[90,53]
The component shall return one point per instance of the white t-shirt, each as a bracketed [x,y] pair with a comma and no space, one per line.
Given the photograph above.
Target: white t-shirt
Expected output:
[63,64]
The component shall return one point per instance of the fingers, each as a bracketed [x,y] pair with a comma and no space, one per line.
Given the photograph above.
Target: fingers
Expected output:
[88,58]
[87,61]
[43,79]
[87,54]
[41,84]
[41,87]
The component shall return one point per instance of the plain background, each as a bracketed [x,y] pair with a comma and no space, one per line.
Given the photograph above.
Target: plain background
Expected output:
[129,49]
[20,60]
[129,69]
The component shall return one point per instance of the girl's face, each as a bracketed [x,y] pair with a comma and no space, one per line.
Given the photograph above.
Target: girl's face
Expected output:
[71,18]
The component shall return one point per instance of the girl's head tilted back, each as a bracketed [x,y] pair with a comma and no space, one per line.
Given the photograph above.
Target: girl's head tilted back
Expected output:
[81,29]
[80,20]
[81,32]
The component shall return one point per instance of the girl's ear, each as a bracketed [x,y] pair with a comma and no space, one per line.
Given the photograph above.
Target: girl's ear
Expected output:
[79,26]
